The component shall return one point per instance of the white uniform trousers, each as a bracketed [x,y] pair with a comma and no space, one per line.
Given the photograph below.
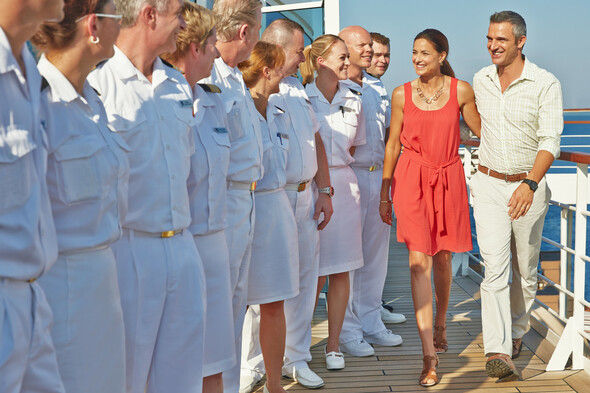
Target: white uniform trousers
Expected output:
[88,331]
[299,309]
[163,298]
[506,307]
[220,352]
[239,213]
[363,312]
[27,356]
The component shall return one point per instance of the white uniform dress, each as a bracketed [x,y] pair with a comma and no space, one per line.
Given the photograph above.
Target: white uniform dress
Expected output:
[363,314]
[207,187]
[160,273]
[29,245]
[342,125]
[301,168]
[87,178]
[245,167]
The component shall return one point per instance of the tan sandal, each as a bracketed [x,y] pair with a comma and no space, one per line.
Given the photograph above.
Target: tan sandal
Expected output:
[428,376]
[440,344]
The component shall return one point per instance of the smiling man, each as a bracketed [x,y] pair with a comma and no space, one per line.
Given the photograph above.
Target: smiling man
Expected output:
[381,55]
[521,122]
[362,322]
[149,104]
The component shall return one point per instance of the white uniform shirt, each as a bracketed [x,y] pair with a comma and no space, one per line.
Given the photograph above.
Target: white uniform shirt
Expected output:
[244,131]
[378,116]
[88,171]
[156,121]
[27,235]
[342,122]
[302,163]
[516,124]
[275,141]
[207,184]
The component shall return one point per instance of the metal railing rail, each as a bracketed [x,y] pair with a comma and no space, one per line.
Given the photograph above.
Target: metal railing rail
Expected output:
[572,256]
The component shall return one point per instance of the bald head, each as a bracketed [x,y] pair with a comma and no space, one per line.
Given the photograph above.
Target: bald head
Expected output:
[360,47]
[288,35]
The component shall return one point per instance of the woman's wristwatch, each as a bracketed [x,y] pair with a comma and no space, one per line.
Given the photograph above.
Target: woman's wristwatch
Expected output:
[327,190]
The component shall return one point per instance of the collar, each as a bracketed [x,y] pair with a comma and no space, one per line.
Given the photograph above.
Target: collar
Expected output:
[8,63]
[61,88]
[201,97]
[226,71]
[528,72]
[124,66]
[273,111]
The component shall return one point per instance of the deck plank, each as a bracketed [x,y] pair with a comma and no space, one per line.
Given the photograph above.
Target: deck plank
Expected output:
[461,368]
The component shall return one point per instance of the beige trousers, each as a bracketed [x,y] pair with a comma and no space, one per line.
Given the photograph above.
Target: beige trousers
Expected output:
[505,306]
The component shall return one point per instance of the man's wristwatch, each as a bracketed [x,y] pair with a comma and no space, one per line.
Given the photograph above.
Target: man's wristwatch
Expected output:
[532,184]
[327,190]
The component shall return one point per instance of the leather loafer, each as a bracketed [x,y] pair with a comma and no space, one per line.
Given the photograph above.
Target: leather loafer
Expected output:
[501,366]
[305,377]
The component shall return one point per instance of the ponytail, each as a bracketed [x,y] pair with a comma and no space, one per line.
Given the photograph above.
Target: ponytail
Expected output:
[307,69]
[446,69]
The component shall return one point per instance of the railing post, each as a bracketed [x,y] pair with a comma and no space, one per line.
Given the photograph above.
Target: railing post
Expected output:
[565,265]
[580,264]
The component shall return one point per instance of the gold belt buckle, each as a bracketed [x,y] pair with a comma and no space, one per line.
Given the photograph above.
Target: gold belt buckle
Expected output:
[372,168]
[301,187]
[31,280]
[168,234]
[253,186]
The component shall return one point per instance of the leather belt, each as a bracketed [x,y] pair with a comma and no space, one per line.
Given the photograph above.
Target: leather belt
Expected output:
[241,185]
[369,168]
[299,187]
[501,176]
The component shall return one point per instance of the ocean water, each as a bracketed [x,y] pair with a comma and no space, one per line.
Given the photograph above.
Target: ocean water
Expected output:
[575,137]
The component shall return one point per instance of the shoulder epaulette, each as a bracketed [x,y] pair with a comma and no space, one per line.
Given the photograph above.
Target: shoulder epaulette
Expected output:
[44,83]
[171,66]
[358,93]
[281,110]
[209,88]
[96,91]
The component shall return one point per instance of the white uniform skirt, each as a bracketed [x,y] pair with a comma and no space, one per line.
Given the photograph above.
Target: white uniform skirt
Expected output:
[88,331]
[341,241]
[274,266]
[219,353]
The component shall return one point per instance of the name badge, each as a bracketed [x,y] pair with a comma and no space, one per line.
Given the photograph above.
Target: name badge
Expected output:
[186,102]
[344,109]
[220,130]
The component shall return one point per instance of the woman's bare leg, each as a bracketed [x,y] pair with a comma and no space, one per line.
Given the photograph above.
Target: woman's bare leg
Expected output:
[442,270]
[420,271]
[272,343]
[213,384]
[338,293]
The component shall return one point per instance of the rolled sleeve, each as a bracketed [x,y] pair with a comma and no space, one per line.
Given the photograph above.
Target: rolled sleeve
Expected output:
[550,119]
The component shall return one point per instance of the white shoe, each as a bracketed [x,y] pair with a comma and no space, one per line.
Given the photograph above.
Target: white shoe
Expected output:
[391,317]
[248,381]
[334,360]
[385,338]
[304,377]
[359,348]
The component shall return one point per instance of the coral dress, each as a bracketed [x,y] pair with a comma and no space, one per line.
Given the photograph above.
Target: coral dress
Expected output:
[428,189]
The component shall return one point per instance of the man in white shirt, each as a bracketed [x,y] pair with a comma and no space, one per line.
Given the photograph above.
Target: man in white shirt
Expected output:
[306,161]
[522,118]
[159,269]
[362,323]
[238,26]
[29,244]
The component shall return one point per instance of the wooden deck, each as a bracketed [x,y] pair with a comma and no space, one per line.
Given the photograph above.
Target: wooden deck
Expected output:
[461,368]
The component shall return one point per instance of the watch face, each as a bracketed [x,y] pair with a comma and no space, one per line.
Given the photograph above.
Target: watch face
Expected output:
[532,184]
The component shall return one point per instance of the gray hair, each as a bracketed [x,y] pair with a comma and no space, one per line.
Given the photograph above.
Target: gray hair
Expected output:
[517,21]
[280,31]
[130,9]
[232,14]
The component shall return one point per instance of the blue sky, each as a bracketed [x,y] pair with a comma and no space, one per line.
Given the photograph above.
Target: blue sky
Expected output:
[558,36]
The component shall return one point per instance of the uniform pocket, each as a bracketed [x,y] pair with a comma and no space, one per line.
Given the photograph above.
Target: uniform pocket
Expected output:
[77,170]
[16,167]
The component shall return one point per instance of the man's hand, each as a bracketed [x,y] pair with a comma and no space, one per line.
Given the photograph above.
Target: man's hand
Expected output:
[385,212]
[323,205]
[520,201]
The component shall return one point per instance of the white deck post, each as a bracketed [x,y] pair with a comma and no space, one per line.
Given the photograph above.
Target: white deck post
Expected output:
[332,16]
[571,341]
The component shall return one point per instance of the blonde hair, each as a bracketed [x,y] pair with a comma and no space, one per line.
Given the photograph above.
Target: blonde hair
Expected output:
[321,46]
[263,55]
[200,22]
[232,14]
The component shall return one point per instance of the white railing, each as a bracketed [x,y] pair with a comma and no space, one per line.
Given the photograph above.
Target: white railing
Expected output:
[573,336]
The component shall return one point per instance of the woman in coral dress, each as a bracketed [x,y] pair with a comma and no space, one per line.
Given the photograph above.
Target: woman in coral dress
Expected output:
[428,187]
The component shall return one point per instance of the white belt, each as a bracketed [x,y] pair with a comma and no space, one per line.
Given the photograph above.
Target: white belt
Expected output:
[299,187]
[241,185]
